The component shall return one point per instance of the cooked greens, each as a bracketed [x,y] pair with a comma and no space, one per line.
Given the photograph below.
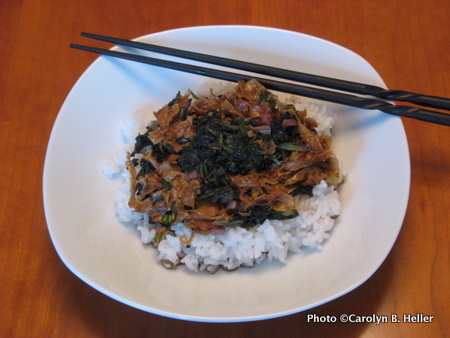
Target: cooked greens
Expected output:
[234,159]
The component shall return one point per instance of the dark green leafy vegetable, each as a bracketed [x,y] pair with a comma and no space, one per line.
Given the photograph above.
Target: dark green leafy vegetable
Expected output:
[166,184]
[220,145]
[303,190]
[157,238]
[176,99]
[159,152]
[141,141]
[146,167]
[184,111]
[169,217]
[268,97]
[258,214]
[215,185]
[293,146]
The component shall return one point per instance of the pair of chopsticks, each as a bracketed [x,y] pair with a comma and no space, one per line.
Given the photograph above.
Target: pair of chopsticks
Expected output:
[365,102]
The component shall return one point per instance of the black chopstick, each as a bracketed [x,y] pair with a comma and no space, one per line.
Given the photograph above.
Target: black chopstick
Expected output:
[348,86]
[315,93]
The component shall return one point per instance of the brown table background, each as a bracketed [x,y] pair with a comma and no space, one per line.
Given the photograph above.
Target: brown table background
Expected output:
[407,41]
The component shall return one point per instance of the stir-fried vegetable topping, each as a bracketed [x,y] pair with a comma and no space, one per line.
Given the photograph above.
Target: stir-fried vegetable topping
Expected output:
[234,159]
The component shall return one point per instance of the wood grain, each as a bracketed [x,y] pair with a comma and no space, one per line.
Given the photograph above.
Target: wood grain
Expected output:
[407,41]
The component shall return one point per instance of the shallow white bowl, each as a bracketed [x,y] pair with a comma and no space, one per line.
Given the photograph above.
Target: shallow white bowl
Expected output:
[79,201]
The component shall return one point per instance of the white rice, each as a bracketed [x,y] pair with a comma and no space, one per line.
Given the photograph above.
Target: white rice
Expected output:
[273,240]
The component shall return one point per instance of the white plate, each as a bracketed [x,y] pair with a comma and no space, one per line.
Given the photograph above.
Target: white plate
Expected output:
[79,201]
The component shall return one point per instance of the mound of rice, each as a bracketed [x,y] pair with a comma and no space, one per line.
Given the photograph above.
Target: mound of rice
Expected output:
[237,247]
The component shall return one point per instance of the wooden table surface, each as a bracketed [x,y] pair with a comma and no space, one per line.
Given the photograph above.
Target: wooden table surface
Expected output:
[407,41]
